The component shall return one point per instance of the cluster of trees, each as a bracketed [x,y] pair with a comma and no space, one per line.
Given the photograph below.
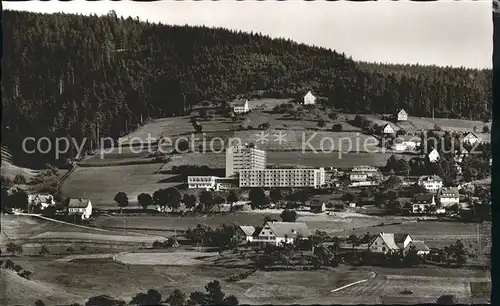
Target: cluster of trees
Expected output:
[221,237]
[127,71]
[18,199]
[10,265]
[455,253]
[213,295]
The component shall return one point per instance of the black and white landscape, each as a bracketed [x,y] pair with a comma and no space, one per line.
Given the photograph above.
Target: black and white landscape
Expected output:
[246,153]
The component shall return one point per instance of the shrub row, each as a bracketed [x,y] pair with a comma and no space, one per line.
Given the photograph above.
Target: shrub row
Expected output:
[242,275]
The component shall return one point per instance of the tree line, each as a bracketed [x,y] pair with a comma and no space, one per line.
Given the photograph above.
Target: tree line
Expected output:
[87,77]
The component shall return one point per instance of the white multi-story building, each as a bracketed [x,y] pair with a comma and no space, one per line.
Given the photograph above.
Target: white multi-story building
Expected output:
[238,158]
[369,170]
[211,182]
[431,183]
[282,178]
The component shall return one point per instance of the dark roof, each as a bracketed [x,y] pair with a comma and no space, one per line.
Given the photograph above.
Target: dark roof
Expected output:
[240,102]
[289,229]
[78,203]
[257,231]
[315,204]
[420,246]
[247,229]
[423,198]
[449,191]
[400,238]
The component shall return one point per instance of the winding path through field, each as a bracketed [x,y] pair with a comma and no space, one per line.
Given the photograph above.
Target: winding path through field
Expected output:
[372,276]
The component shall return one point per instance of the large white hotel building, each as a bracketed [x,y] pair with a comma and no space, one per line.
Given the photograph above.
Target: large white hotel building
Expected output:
[239,158]
[247,165]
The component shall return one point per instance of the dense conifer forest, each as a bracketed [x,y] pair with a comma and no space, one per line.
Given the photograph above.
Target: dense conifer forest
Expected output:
[67,75]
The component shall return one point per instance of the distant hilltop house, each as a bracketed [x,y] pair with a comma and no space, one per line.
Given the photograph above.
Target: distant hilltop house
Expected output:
[388,129]
[281,232]
[401,115]
[81,207]
[390,243]
[407,142]
[471,138]
[241,107]
[433,156]
[449,196]
[309,98]
[422,203]
[431,183]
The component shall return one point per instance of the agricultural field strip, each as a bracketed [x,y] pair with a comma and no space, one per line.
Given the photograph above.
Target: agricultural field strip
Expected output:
[172,258]
[436,278]
[97,237]
[84,256]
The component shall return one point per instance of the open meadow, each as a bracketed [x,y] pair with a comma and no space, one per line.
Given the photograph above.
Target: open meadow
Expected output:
[458,125]
[64,282]
[64,238]
[101,184]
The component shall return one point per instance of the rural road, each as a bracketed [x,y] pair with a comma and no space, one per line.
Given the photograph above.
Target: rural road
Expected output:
[372,276]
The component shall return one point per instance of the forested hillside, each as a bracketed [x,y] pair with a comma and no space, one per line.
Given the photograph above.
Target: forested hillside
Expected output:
[65,75]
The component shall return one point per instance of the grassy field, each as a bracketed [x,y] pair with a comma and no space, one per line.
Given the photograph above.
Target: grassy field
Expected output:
[100,184]
[76,281]
[60,282]
[62,238]
[423,123]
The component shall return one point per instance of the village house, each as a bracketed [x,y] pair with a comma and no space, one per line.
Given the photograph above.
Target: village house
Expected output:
[402,115]
[369,170]
[81,207]
[282,232]
[44,200]
[245,233]
[420,246]
[421,203]
[471,138]
[241,107]
[448,196]
[431,183]
[459,155]
[386,243]
[317,206]
[358,176]
[388,130]
[309,98]
[409,142]
[433,156]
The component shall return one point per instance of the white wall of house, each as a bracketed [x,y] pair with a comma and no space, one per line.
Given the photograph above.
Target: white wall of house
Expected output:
[84,212]
[379,246]
[239,109]
[449,201]
[402,115]
[309,98]
[388,129]
[420,208]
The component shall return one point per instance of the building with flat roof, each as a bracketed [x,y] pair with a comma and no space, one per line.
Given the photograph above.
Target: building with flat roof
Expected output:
[244,157]
[211,182]
[282,178]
